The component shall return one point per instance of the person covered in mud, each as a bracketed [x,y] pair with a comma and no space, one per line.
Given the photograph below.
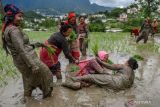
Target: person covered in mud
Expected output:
[123,79]
[91,66]
[73,41]
[16,43]
[59,43]
[83,35]
[145,30]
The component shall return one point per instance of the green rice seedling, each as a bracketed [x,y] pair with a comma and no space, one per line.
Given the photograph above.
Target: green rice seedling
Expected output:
[51,51]
[138,57]
[72,36]
[74,68]
[110,61]
[95,49]
[7,68]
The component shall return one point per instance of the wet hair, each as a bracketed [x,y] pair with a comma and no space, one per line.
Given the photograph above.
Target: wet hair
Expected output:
[133,63]
[65,27]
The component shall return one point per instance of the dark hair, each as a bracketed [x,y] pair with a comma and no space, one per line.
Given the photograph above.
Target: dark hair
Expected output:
[133,63]
[65,27]
[62,23]
[82,17]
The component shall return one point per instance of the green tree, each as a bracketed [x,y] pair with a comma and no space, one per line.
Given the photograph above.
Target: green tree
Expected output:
[48,23]
[117,11]
[97,26]
[148,6]
[92,19]
[132,5]
[107,13]
[30,15]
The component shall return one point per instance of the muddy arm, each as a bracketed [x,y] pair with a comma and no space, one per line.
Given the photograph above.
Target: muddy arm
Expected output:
[108,66]
[66,51]
[18,42]
[37,45]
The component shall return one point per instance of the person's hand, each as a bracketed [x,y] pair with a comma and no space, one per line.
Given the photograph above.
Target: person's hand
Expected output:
[38,44]
[77,61]
[98,60]
[35,69]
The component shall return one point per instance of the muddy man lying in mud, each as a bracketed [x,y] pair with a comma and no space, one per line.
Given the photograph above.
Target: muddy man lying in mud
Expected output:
[124,78]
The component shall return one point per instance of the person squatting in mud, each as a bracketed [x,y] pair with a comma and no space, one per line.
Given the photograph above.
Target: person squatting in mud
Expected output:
[16,43]
[58,42]
[124,78]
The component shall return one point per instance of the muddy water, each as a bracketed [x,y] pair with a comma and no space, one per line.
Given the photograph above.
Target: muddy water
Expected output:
[144,93]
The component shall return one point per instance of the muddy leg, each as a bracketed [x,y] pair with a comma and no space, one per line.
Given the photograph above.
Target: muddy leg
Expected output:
[145,39]
[56,70]
[46,85]
[84,47]
[73,85]
[58,74]
[27,88]
[96,66]
[47,91]
[139,38]
[85,78]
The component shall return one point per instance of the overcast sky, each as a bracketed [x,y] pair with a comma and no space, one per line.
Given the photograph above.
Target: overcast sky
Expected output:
[113,3]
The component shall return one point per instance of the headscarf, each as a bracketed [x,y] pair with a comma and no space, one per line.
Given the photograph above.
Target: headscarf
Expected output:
[10,10]
[71,14]
[102,55]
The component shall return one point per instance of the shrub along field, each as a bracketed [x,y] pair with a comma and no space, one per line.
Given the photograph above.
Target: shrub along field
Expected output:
[96,25]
